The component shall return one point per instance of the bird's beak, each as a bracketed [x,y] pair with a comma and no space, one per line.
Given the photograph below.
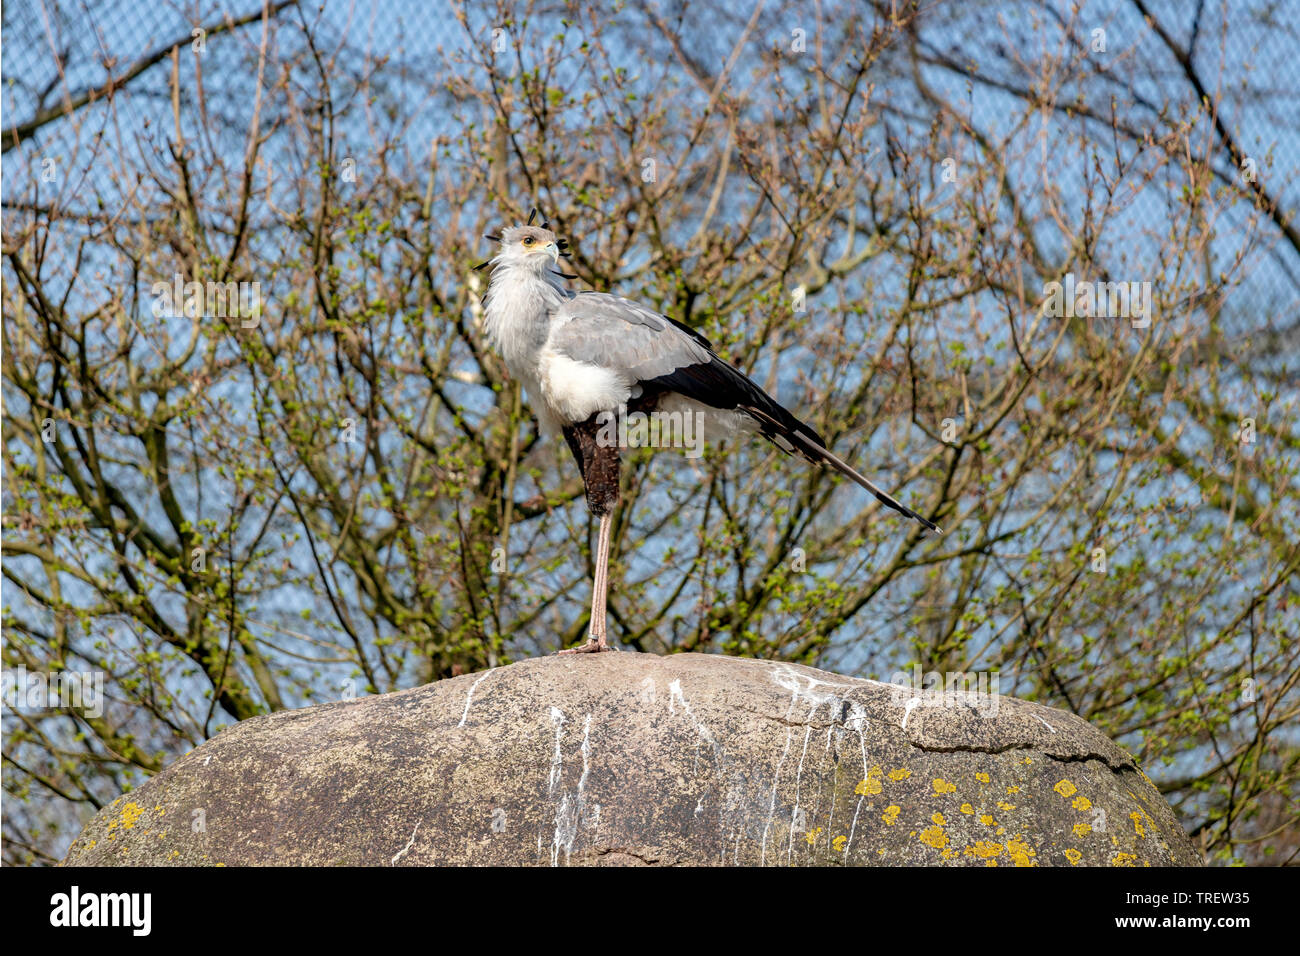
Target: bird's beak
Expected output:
[554,251]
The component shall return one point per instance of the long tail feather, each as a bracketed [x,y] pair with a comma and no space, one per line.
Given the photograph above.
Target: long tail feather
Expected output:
[814,451]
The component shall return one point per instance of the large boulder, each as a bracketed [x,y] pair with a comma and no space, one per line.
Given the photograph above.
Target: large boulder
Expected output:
[624,758]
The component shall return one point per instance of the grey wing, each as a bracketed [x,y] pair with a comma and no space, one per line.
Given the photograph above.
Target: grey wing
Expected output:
[644,347]
[615,333]
[653,350]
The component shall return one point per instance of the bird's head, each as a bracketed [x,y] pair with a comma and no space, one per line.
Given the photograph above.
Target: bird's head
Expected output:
[528,246]
[534,245]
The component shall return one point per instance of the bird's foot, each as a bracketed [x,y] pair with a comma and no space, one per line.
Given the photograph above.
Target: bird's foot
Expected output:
[593,646]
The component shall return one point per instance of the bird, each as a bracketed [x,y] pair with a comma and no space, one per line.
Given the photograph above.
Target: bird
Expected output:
[583,357]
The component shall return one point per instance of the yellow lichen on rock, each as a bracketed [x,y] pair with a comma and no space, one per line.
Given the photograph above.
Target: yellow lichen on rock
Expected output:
[127,819]
[868,787]
[130,814]
[984,849]
[934,836]
[942,786]
[871,785]
[1022,854]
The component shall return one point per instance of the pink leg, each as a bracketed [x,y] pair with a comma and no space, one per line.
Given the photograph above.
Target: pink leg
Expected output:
[599,590]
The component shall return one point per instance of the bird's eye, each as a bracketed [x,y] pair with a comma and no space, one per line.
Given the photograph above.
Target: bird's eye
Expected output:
[528,240]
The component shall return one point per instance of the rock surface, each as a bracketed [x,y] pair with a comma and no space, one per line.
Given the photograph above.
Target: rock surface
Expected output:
[635,759]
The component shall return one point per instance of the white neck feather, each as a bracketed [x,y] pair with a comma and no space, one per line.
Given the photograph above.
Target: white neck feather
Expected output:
[517,309]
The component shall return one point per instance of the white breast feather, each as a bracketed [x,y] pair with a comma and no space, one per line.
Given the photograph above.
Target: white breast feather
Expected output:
[574,391]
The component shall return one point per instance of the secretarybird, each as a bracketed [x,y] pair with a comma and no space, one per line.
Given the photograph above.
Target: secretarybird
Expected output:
[583,357]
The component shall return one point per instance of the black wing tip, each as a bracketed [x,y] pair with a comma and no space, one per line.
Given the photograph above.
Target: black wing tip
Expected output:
[907,512]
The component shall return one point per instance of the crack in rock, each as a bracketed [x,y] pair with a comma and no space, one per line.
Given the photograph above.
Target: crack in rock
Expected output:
[642,857]
[1113,761]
